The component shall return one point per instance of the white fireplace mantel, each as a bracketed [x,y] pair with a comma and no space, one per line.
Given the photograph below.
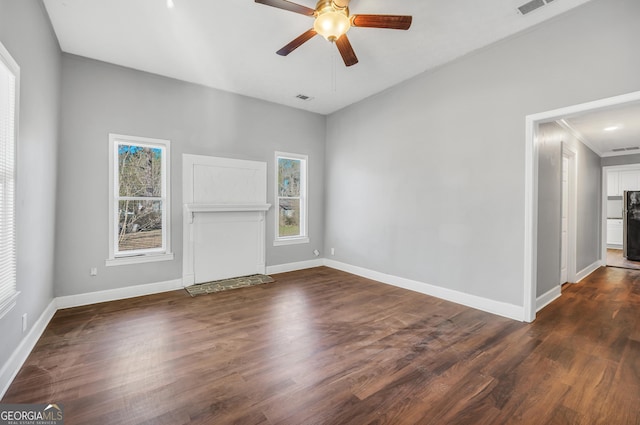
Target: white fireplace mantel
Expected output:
[224,210]
[191,209]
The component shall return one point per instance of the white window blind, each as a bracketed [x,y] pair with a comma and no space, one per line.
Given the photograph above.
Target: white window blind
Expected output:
[8,83]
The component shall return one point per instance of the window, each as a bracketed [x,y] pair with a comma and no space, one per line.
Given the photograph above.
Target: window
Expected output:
[139,200]
[9,86]
[291,199]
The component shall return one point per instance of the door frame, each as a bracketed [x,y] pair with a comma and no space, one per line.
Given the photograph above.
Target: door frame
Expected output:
[571,154]
[531,187]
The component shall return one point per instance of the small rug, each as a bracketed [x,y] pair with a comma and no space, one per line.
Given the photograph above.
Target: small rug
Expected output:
[226,284]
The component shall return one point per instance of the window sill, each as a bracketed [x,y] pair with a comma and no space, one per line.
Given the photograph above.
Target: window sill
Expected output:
[8,304]
[291,241]
[138,259]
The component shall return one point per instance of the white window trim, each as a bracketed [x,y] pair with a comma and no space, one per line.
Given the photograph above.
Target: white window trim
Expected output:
[10,300]
[304,237]
[140,256]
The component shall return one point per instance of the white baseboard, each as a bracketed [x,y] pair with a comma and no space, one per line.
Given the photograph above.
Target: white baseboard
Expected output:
[300,265]
[117,294]
[548,297]
[510,311]
[11,368]
[588,270]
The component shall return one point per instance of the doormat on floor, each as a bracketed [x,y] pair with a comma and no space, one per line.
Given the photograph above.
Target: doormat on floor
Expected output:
[226,284]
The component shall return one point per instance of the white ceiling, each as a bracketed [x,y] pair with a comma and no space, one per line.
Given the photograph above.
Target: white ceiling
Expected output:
[230,45]
[624,140]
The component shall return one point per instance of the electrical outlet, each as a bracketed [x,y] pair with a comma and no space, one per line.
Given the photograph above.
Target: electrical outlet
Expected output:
[24,322]
[316,252]
[333,251]
[94,271]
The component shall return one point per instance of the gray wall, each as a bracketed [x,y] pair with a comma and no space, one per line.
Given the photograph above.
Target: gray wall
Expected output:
[589,193]
[589,222]
[425,181]
[550,138]
[620,160]
[26,33]
[100,98]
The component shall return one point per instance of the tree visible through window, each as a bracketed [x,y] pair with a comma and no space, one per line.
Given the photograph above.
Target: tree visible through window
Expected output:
[139,196]
[291,196]
[140,192]
[289,193]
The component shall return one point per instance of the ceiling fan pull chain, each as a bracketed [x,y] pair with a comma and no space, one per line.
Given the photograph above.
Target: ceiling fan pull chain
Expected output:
[333,71]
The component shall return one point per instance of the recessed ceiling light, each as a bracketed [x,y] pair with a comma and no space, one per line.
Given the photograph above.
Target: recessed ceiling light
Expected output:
[612,128]
[170,4]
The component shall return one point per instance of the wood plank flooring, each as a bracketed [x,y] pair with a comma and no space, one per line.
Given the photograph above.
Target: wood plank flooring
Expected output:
[615,258]
[325,347]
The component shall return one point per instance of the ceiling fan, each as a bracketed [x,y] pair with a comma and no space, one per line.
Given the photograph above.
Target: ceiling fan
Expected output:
[332,21]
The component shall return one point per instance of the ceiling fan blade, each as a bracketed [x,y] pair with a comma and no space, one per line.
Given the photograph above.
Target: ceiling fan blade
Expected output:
[395,22]
[287,5]
[346,51]
[306,36]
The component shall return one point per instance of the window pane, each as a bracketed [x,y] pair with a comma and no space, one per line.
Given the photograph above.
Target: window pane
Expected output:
[288,177]
[289,223]
[140,225]
[139,170]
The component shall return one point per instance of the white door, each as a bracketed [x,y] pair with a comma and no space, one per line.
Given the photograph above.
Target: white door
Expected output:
[564,248]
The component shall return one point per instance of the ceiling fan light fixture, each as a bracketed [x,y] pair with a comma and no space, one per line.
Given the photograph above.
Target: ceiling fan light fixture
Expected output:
[331,22]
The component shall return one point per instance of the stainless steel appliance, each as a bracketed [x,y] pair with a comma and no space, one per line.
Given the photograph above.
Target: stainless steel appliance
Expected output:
[631,221]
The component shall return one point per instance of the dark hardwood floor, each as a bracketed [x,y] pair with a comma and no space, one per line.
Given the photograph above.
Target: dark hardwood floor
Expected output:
[324,347]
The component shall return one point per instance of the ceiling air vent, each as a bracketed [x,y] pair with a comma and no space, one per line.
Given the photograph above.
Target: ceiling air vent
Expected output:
[532,5]
[304,97]
[630,148]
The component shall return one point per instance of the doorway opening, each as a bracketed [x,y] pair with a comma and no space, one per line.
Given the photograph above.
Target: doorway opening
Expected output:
[616,180]
[531,194]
